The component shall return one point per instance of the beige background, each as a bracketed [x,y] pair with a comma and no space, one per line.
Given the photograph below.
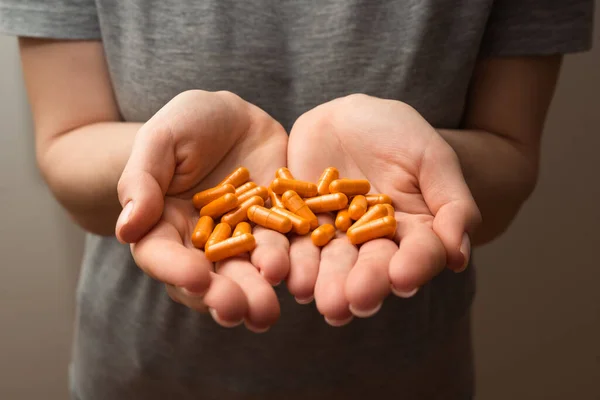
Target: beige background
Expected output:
[537,322]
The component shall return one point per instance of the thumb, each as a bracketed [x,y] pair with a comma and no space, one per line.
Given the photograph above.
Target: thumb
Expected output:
[448,197]
[144,182]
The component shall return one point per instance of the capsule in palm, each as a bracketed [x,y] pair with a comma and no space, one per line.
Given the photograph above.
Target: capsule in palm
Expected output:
[269,219]
[244,188]
[240,213]
[241,228]
[322,235]
[260,191]
[350,187]
[221,232]
[284,173]
[343,220]
[202,231]
[375,229]
[300,225]
[295,204]
[375,212]
[358,207]
[220,206]
[237,178]
[329,175]
[231,247]
[373,199]
[275,199]
[204,197]
[327,202]
[304,189]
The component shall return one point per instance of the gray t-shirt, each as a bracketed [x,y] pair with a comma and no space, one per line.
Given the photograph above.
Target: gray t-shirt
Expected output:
[132,341]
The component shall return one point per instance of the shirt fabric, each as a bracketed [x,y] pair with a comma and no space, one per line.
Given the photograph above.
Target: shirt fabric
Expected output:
[132,341]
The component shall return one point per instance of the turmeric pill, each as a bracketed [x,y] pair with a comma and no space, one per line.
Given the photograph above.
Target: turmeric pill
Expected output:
[304,189]
[220,206]
[390,209]
[375,212]
[373,199]
[241,228]
[237,178]
[377,228]
[244,188]
[284,173]
[300,225]
[329,175]
[202,231]
[275,199]
[350,187]
[221,232]
[269,219]
[240,213]
[260,191]
[327,202]
[206,196]
[231,247]
[295,204]
[343,220]
[358,207]
[323,235]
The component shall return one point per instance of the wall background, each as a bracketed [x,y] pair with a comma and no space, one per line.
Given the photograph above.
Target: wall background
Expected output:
[537,313]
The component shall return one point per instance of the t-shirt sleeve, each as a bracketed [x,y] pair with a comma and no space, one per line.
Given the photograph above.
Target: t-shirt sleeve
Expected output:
[55,19]
[538,27]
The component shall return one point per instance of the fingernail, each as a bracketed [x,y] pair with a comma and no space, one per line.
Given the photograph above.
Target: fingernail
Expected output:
[365,313]
[254,329]
[465,250]
[277,284]
[306,300]
[404,293]
[124,216]
[220,321]
[337,323]
[189,293]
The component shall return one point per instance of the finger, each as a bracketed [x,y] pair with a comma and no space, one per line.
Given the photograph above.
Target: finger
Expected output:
[304,268]
[271,255]
[421,256]
[162,255]
[144,182]
[337,259]
[263,306]
[368,282]
[449,199]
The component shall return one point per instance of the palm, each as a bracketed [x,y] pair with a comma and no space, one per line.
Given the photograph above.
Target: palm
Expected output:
[386,144]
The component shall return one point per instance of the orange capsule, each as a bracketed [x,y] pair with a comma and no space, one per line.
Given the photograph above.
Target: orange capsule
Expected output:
[206,196]
[284,173]
[390,209]
[260,191]
[300,225]
[221,232]
[240,213]
[269,219]
[350,187]
[323,235]
[295,204]
[220,206]
[375,212]
[358,207]
[237,178]
[372,230]
[275,199]
[304,189]
[327,202]
[202,231]
[231,247]
[241,228]
[329,175]
[343,220]
[373,199]
[244,188]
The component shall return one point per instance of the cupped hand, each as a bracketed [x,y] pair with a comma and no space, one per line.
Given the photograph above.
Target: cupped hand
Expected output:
[189,145]
[391,145]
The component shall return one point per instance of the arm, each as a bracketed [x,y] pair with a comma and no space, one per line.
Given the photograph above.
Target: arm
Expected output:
[81,145]
[500,144]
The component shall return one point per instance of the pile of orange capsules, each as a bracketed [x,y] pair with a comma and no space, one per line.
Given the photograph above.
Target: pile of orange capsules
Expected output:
[293,208]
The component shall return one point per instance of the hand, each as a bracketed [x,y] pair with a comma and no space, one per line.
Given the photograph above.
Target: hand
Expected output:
[191,144]
[391,145]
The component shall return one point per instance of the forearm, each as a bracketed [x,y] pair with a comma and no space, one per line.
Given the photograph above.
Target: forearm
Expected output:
[499,173]
[82,168]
